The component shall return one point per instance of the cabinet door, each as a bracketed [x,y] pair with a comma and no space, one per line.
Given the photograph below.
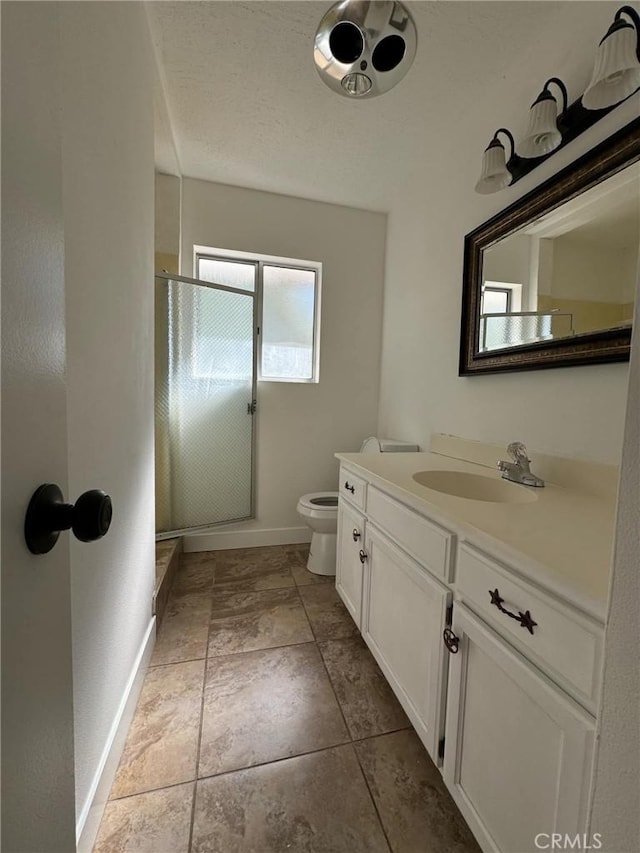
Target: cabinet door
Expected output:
[351,537]
[518,750]
[403,614]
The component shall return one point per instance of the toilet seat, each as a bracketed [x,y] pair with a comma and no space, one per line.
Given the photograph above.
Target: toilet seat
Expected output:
[320,502]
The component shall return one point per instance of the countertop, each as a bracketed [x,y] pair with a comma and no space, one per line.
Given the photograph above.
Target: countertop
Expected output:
[562,541]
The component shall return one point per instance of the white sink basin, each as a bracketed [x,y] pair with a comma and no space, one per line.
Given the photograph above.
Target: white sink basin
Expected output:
[475,487]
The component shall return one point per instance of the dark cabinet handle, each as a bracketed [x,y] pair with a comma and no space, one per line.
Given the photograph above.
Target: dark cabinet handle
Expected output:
[48,515]
[363,555]
[349,487]
[355,534]
[525,619]
[451,641]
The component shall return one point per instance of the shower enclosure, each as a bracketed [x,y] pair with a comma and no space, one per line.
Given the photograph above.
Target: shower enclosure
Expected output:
[205,369]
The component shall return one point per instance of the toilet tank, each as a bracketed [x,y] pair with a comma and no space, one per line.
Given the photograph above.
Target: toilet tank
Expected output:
[387,445]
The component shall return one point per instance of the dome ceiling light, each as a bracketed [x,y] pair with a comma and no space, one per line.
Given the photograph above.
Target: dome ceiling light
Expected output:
[362,49]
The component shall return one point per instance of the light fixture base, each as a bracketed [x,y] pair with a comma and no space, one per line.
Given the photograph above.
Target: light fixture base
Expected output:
[363,49]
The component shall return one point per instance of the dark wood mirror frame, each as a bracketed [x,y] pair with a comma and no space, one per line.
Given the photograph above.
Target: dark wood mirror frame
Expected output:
[611,156]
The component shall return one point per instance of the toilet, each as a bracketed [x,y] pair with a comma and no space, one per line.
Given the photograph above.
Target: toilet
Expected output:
[319,510]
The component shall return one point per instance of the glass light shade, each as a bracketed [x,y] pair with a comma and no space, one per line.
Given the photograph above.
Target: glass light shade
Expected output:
[494,175]
[616,73]
[542,134]
[356,84]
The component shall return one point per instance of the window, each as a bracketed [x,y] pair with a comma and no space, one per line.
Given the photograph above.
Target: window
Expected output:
[495,300]
[288,294]
[501,297]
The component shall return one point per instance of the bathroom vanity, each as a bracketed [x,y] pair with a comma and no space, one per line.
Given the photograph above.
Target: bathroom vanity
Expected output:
[486,615]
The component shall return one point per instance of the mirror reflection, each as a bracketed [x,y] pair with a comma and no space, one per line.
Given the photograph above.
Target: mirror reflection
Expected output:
[571,272]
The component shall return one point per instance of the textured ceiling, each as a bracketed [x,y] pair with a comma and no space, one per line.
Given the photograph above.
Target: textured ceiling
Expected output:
[247,106]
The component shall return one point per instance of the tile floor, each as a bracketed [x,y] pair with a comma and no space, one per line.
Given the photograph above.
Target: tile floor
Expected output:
[265,726]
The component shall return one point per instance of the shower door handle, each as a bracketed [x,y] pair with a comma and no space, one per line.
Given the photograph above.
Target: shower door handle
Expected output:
[251,407]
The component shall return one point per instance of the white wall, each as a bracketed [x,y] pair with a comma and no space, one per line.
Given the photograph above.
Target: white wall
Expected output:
[167,214]
[630,263]
[300,426]
[108,197]
[576,411]
[616,805]
[508,260]
[592,272]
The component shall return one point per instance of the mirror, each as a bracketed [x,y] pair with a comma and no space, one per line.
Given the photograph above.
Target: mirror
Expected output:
[551,281]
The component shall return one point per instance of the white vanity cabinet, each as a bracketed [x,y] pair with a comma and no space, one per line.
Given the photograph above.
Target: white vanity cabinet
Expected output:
[508,710]
[519,750]
[390,560]
[349,564]
[403,615]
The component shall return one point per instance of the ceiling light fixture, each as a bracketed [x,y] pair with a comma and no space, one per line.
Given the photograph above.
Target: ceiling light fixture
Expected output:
[363,49]
[616,73]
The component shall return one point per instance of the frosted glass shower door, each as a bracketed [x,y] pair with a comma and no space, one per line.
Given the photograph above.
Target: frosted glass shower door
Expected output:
[205,392]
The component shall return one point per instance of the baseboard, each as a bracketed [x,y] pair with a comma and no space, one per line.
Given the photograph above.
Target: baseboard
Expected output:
[89,818]
[212,540]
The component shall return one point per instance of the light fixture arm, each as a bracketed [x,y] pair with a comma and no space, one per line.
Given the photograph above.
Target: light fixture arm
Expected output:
[630,12]
[563,90]
[509,136]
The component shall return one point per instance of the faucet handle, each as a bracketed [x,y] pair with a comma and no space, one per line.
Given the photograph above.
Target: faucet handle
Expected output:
[518,452]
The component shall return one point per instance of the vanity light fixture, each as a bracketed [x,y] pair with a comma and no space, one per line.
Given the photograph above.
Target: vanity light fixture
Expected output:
[616,73]
[615,78]
[542,135]
[495,175]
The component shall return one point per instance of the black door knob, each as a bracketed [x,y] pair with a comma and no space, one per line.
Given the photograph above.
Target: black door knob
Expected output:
[48,514]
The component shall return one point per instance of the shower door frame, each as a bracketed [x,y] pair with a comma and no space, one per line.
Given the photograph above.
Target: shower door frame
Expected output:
[169,534]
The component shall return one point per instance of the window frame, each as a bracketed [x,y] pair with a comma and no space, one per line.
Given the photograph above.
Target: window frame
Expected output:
[260,261]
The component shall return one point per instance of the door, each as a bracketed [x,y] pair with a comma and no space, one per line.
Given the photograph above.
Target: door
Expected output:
[403,616]
[518,751]
[349,566]
[38,808]
[205,402]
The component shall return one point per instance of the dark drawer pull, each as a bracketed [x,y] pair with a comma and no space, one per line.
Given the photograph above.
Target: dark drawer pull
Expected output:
[349,487]
[451,641]
[525,619]
[355,534]
[363,555]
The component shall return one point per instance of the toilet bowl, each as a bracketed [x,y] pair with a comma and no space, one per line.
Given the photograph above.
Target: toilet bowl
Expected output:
[319,510]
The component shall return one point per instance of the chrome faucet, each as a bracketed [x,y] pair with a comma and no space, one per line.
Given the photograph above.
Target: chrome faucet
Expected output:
[519,470]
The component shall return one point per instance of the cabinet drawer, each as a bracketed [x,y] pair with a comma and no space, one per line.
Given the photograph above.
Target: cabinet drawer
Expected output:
[565,644]
[353,488]
[427,543]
